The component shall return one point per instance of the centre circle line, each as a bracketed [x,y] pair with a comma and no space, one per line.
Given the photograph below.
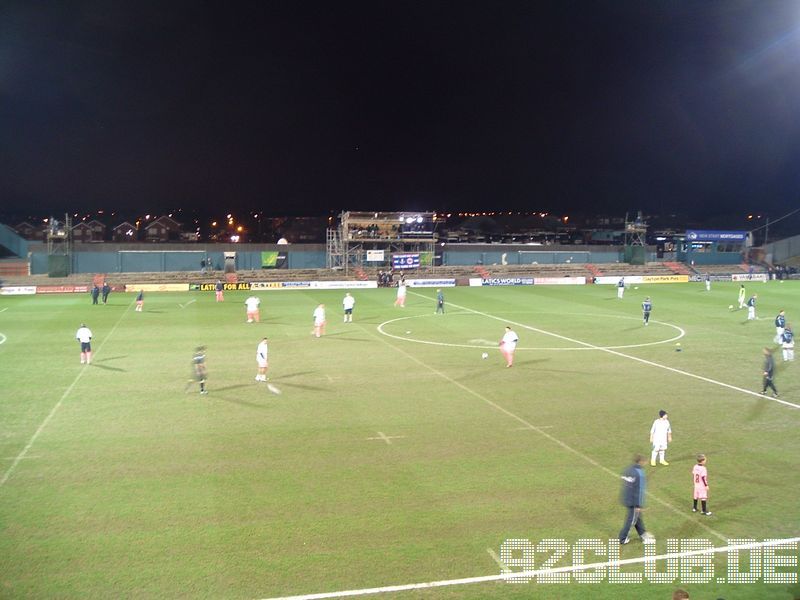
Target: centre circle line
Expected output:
[681,333]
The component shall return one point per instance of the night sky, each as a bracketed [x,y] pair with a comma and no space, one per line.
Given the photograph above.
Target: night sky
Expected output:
[298,107]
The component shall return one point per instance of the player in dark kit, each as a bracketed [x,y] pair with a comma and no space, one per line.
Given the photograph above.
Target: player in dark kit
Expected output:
[647,306]
[787,341]
[768,370]
[199,369]
[140,301]
[751,308]
[106,292]
[780,324]
[439,301]
[95,294]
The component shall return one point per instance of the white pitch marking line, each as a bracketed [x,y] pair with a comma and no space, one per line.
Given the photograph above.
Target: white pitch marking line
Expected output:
[585,346]
[538,572]
[188,303]
[543,433]
[386,438]
[531,428]
[503,566]
[636,358]
[58,404]
[3,338]
[4,310]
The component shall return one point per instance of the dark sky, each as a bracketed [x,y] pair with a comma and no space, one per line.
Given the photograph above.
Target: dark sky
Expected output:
[304,107]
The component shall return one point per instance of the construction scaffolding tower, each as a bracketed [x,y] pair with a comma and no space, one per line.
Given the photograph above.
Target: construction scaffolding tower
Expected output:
[372,238]
[635,236]
[59,247]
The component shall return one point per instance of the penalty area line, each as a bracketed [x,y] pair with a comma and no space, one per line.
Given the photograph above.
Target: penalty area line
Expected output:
[785,544]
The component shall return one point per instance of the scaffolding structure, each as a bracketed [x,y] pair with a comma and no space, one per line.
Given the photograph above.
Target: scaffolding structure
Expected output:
[59,246]
[358,233]
[635,240]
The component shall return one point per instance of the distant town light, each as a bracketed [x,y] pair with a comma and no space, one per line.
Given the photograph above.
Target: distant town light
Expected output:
[234,238]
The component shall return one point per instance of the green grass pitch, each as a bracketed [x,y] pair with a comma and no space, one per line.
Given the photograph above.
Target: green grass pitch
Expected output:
[394,454]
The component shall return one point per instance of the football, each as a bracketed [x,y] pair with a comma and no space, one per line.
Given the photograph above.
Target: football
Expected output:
[485,355]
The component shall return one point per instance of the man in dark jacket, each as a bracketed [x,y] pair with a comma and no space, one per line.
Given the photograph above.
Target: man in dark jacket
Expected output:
[768,371]
[633,491]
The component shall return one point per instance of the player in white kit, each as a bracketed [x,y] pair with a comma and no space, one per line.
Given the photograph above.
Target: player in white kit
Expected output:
[660,437]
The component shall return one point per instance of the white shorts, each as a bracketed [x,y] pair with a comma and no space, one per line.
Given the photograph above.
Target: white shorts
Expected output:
[262,364]
[658,446]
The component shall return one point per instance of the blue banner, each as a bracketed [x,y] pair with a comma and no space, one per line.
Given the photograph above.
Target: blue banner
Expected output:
[703,235]
[405,261]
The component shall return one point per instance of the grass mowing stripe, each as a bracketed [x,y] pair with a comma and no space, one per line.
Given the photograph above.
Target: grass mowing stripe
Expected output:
[58,404]
[533,574]
[623,355]
[543,433]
